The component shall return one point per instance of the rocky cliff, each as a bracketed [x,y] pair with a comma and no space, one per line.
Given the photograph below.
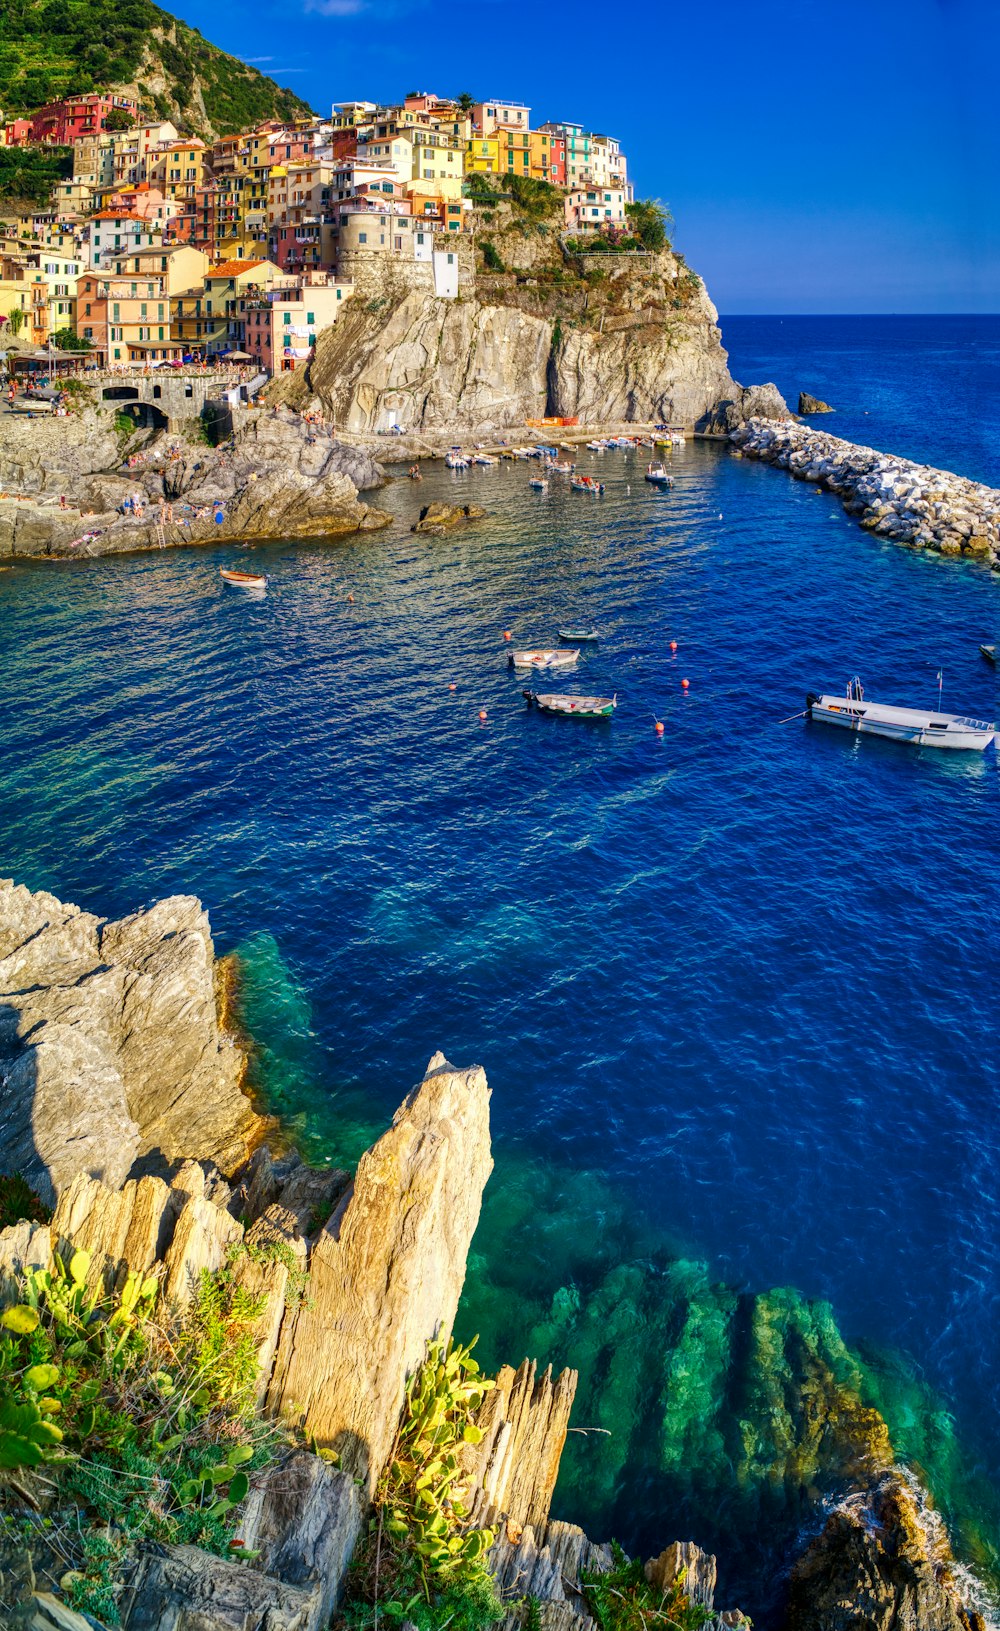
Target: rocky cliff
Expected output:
[278,478]
[110,1048]
[606,337]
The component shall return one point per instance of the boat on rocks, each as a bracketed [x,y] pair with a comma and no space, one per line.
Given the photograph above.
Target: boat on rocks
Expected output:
[254,581]
[543,657]
[658,477]
[921,726]
[572,707]
[989,652]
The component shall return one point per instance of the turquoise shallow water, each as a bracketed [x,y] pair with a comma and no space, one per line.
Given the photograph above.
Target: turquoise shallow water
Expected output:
[734,987]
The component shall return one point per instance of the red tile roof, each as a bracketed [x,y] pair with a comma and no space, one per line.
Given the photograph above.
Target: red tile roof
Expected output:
[232,268]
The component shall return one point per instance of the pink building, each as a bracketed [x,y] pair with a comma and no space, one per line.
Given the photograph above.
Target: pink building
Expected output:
[62,123]
[281,325]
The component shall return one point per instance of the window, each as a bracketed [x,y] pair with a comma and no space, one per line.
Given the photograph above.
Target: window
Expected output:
[286,317]
[362,237]
[310,318]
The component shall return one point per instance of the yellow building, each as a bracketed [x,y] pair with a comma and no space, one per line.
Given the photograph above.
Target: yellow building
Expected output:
[482,156]
[515,152]
[178,168]
[209,317]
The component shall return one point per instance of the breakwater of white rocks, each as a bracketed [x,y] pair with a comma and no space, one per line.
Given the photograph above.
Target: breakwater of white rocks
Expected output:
[913,504]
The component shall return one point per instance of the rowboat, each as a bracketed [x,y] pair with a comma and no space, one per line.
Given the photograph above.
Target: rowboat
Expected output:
[989,652]
[581,633]
[921,726]
[572,707]
[586,484]
[659,477]
[243,580]
[543,657]
[539,484]
[456,461]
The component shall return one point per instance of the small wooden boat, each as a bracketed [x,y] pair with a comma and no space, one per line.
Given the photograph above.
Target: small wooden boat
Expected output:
[581,633]
[242,580]
[543,657]
[989,652]
[659,477]
[921,726]
[572,707]
[455,459]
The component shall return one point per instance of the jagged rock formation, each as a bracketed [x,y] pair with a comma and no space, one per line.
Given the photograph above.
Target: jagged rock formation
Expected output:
[631,339]
[883,1563]
[110,1043]
[282,478]
[812,404]
[912,504]
[384,1276]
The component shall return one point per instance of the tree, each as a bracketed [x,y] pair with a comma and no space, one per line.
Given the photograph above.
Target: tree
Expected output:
[67,339]
[15,322]
[649,222]
[466,102]
[118,119]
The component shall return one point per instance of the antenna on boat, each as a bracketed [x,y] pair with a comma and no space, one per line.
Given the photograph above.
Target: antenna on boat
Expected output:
[940,685]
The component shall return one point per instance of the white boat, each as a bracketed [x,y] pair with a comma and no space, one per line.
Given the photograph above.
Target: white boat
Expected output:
[483,458]
[544,657]
[256,582]
[456,461]
[659,477]
[572,707]
[922,726]
[563,467]
[539,484]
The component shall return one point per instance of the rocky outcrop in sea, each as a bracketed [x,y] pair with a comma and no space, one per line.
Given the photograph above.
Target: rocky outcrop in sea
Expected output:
[911,504]
[280,477]
[121,1088]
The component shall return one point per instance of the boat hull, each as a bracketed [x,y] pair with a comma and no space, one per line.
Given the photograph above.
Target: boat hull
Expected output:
[571,707]
[252,582]
[949,731]
[543,659]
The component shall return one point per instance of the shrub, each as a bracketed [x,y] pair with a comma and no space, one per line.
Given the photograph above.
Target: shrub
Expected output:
[421,1560]
[622,1599]
[18,1200]
[649,221]
[491,257]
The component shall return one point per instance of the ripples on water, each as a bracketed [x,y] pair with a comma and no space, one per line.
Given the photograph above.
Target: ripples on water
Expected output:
[744,973]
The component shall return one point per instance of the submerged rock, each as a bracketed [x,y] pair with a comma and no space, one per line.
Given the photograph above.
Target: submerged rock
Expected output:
[440,518]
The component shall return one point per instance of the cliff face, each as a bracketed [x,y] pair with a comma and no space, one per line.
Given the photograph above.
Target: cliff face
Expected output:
[603,336]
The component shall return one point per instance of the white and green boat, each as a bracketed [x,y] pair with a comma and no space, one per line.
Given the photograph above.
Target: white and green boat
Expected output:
[572,707]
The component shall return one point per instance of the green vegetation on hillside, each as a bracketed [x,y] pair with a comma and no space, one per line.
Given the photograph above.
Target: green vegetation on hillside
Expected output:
[30,173]
[54,48]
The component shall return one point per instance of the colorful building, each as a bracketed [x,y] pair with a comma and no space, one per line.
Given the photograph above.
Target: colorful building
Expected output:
[497,114]
[60,124]
[593,208]
[280,327]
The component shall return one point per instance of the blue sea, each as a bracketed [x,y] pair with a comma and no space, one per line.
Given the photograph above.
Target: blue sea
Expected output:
[734,985]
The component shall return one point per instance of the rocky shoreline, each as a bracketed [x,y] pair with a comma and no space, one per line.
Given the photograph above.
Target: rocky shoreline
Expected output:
[120,1097]
[64,483]
[911,504]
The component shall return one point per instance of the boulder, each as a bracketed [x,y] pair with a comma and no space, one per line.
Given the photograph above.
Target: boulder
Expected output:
[386,1272]
[304,1519]
[882,1562]
[110,1043]
[812,404]
[181,1588]
[440,518]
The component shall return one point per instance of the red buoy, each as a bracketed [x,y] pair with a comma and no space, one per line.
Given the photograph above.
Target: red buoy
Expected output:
[659,727]
[673,645]
[506,634]
[685,684]
[451,688]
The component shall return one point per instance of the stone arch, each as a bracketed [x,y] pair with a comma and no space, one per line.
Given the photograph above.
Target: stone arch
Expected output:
[120,393]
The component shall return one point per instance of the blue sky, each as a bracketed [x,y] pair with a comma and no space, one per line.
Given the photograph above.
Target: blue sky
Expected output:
[818,155]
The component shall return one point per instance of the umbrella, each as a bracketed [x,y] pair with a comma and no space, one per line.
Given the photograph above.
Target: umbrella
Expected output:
[239,356]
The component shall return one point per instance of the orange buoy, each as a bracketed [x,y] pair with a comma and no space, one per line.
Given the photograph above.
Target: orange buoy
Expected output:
[673,645]
[659,727]
[451,688]
[482,713]
[506,634]
[685,684]
[350,600]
